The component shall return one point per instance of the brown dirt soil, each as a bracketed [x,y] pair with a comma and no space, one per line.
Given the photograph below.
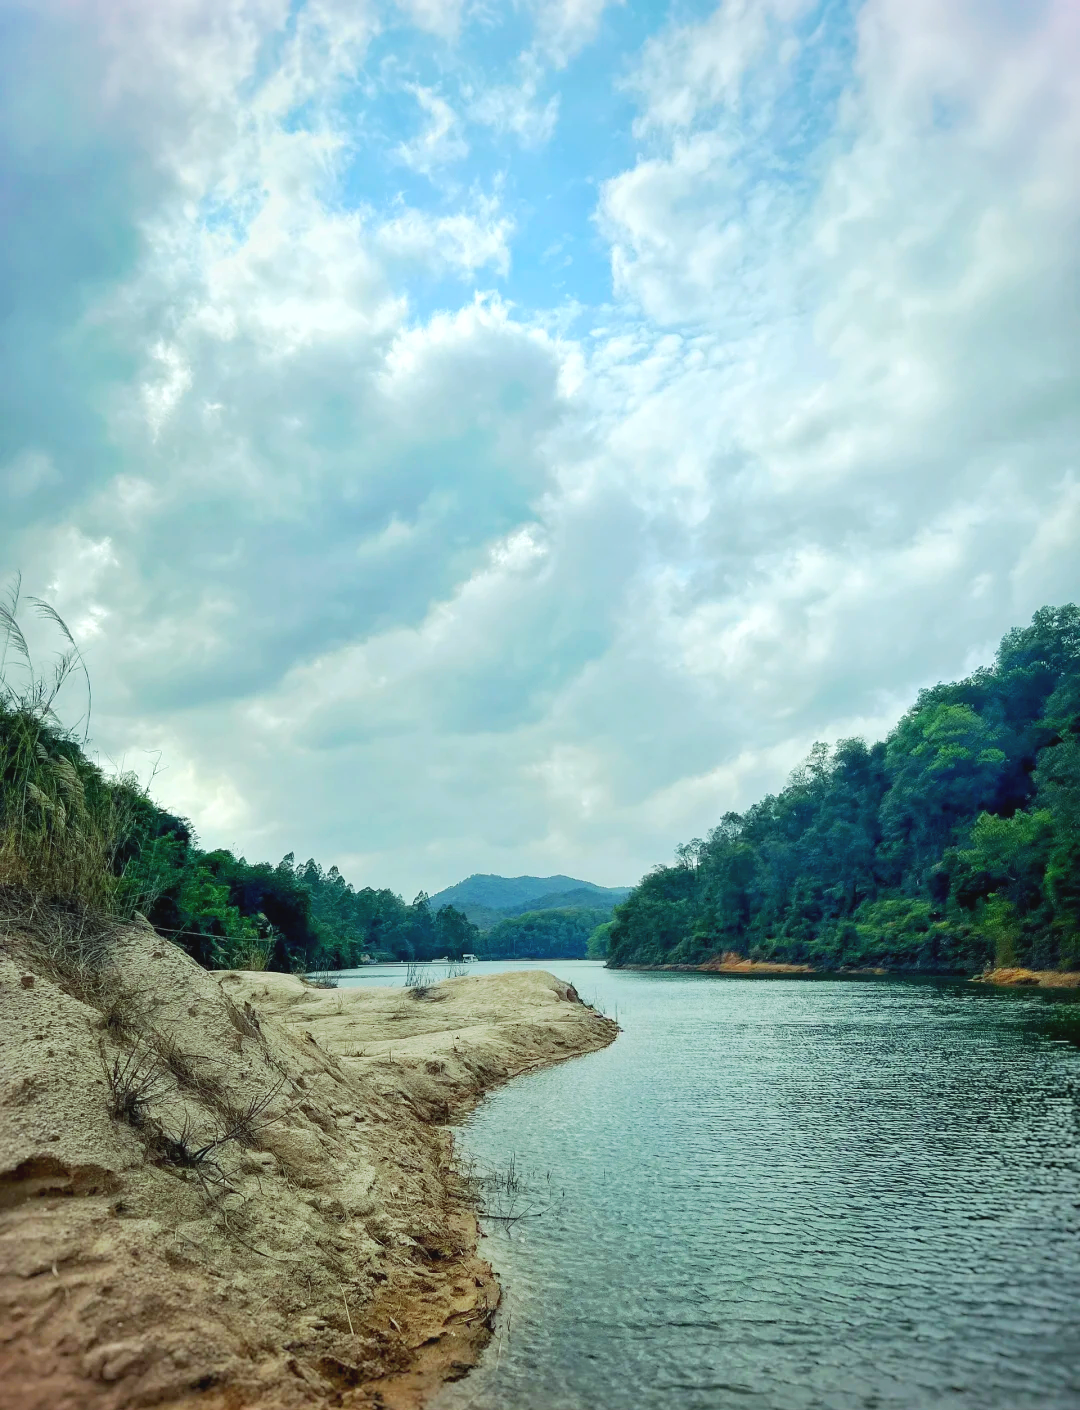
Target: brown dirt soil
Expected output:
[323,1254]
[731,963]
[1046,978]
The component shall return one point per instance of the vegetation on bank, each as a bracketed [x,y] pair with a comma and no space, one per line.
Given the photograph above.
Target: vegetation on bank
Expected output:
[73,836]
[542,935]
[951,845]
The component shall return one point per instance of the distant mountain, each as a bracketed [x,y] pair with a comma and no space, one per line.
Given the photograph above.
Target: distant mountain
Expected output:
[488,899]
[581,898]
[501,891]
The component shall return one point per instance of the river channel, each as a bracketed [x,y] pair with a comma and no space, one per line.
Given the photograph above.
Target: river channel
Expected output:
[778,1194]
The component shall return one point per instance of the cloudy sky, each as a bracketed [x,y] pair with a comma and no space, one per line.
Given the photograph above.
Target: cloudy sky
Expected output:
[503,436]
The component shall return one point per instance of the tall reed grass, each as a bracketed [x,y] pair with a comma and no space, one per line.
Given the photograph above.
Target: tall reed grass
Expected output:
[61,820]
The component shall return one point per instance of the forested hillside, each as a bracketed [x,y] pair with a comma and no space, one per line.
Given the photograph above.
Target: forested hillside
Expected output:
[487,900]
[231,913]
[542,935]
[498,892]
[951,845]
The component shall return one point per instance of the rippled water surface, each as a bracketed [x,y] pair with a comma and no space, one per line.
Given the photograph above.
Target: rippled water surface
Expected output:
[782,1194]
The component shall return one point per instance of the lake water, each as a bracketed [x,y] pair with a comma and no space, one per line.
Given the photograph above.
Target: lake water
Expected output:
[781,1194]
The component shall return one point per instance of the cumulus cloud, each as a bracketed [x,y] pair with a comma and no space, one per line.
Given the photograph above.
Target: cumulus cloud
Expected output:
[696,70]
[429,588]
[874,361]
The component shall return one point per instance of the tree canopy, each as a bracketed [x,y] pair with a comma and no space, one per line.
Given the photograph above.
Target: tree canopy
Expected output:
[952,844]
[227,911]
[542,935]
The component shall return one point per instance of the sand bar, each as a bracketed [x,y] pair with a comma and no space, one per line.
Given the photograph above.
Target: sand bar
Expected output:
[323,1253]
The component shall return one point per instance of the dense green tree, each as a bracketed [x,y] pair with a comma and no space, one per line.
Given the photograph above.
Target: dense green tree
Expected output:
[596,947]
[227,911]
[952,844]
[456,933]
[554,934]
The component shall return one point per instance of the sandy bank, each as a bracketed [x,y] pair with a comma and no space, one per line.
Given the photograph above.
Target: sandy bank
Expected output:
[735,964]
[1045,978]
[731,963]
[276,1220]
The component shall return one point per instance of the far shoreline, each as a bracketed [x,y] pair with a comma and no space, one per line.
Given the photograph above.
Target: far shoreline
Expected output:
[1002,977]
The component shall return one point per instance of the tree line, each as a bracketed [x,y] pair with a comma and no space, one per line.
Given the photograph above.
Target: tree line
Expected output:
[561,933]
[951,845]
[228,912]
[74,837]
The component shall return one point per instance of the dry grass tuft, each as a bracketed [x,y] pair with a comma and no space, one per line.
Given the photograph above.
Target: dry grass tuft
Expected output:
[135,1081]
[183,1065]
[66,943]
[321,979]
[139,1077]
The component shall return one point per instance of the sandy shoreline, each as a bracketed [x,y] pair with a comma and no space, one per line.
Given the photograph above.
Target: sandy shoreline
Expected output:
[1031,978]
[735,965]
[323,1253]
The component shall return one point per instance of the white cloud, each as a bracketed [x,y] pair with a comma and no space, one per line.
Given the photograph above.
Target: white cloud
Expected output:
[691,70]
[27,472]
[441,17]
[442,140]
[565,27]
[515,109]
[430,593]
[464,242]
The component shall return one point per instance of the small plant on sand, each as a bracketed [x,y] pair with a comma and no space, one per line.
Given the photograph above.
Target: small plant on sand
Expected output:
[135,1080]
[418,981]
[63,942]
[139,1078]
[242,1125]
[322,979]
[182,1064]
[118,1007]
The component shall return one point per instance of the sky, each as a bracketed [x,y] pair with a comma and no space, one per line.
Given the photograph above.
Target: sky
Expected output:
[504,436]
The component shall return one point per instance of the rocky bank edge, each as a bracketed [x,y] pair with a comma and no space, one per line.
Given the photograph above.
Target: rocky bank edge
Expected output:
[325,1253]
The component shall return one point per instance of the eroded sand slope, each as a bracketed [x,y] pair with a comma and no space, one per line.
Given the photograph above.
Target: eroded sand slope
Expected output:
[324,1253]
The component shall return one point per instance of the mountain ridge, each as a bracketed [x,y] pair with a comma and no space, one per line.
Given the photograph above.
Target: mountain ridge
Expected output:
[486,898]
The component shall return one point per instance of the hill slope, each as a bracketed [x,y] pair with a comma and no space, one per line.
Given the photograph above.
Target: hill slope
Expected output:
[487,900]
[951,845]
[499,892]
[553,934]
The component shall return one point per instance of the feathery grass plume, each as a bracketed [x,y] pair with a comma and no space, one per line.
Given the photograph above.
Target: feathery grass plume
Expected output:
[61,820]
